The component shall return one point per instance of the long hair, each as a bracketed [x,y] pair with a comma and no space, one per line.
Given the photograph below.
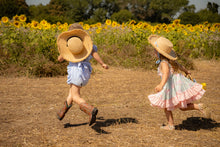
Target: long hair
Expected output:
[173,63]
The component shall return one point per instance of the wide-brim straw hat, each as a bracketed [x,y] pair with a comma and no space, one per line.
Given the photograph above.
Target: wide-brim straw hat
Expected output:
[163,46]
[75,45]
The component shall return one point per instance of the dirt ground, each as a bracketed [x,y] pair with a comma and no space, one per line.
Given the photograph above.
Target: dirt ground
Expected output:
[29,105]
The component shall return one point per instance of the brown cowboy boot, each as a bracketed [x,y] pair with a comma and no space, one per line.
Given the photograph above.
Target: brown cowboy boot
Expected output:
[90,110]
[63,111]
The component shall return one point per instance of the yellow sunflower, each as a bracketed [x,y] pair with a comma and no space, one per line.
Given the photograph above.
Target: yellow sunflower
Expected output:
[60,27]
[188,25]
[22,18]
[123,25]
[5,19]
[43,22]
[98,25]
[17,24]
[53,26]
[81,23]
[114,24]
[86,27]
[16,18]
[132,22]
[34,24]
[98,31]
[176,21]
[108,22]
[48,26]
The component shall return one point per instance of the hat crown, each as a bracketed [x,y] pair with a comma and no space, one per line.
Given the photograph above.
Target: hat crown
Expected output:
[75,45]
[164,44]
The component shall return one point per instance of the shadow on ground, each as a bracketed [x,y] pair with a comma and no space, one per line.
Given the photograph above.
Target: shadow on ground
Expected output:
[101,122]
[109,122]
[197,123]
[68,125]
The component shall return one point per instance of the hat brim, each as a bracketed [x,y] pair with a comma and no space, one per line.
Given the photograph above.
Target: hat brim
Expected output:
[152,39]
[64,50]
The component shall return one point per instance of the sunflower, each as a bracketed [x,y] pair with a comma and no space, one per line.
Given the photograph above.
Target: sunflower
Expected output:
[99,25]
[176,21]
[98,31]
[206,22]
[34,24]
[58,23]
[81,23]
[212,29]
[132,22]
[48,26]
[145,25]
[123,25]
[22,18]
[114,24]
[108,22]
[65,24]
[216,25]
[17,24]
[86,27]
[43,22]
[53,26]
[188,25]
[192,29]
[203,86]
[16,18]
[60,27]
[185,33]
[5,19]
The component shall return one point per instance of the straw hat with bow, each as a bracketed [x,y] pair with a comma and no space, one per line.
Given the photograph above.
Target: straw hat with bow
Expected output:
[75,45]
[163,46]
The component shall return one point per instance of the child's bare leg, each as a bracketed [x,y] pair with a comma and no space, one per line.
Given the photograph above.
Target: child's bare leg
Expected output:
[169,116]
[85,107]
[74,95]
[192,106]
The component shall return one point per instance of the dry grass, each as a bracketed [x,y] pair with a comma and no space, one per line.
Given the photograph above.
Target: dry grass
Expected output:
[125,118]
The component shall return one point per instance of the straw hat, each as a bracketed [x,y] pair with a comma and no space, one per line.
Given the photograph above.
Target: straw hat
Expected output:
[75,45]
[163,46]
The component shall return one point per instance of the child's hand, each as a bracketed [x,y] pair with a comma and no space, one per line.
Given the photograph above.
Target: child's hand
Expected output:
[60,58]
[188,72]
[105,66]
[158,88]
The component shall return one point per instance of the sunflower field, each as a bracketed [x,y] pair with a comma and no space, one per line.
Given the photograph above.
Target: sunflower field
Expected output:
[30,47]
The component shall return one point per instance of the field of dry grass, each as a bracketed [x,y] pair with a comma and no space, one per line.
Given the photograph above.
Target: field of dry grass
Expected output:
[125,118]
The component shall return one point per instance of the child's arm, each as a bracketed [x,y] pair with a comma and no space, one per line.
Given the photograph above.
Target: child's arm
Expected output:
[99,60]
[165,75]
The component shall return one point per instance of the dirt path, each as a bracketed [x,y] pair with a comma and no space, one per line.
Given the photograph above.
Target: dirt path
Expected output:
[125,118]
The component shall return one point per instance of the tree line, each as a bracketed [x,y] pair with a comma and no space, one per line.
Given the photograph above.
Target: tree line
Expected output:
[92,11]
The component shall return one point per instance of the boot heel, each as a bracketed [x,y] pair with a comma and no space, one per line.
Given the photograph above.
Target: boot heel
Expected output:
[90,110]
[93,117]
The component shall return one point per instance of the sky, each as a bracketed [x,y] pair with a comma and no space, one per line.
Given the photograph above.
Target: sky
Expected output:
[200,4]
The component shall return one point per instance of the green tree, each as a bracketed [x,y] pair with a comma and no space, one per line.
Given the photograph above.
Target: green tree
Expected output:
[163,10]
[212,7]
[209,16]
[189,18]
[99,15]
[10,8]
[122,16]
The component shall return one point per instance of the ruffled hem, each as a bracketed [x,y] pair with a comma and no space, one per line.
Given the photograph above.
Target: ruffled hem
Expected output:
[180,100]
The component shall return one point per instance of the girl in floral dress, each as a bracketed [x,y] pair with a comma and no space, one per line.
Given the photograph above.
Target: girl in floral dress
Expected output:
[174,90]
